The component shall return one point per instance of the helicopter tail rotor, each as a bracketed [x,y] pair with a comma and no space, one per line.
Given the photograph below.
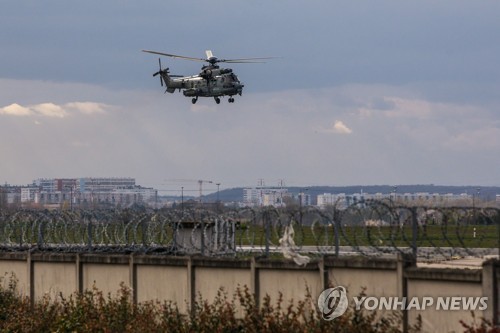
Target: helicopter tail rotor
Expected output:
[160,72]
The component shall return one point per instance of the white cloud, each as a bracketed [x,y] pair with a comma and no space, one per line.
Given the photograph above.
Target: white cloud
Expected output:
[341,128]
[49,110]
[53,110]
[15,110]
[338,127]
[87,107]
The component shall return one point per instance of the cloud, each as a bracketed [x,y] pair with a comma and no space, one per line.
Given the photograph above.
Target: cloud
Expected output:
[486,138]
[49,110]
[338,127]
[269,131]
[87,107]
[408,108]
[15,110]
[54,110]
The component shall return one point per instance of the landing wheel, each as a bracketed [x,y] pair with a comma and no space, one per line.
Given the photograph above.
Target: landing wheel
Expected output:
[231,100]
[194,100]
[217,100]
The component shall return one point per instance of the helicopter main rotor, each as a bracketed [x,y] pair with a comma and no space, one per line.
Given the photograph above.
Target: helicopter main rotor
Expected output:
[211,59]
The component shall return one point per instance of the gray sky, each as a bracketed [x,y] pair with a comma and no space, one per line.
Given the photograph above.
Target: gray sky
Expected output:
[367,92]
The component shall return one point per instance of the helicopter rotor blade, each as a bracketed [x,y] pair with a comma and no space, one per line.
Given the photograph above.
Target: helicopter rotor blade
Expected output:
[212,59]
[246,60]
[174,55]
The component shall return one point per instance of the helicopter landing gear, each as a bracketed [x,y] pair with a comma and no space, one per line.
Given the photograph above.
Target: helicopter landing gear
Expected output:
[217,100]
[194,100]
[231,100]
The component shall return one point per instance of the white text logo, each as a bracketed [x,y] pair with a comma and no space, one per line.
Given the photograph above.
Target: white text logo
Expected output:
[333,302]
[423,303]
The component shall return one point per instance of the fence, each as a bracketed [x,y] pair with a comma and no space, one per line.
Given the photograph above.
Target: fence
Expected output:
[368,228]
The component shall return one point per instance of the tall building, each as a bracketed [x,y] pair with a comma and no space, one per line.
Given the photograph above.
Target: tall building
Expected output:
[90,184]
[264,196]
[87,192]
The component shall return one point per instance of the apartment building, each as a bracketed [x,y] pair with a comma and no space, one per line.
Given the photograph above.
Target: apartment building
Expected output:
[87,192]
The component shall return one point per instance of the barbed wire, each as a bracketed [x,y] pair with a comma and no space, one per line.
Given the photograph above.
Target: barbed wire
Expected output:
[370,228]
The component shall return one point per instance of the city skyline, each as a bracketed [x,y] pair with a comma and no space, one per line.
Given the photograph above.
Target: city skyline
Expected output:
[212,187]
[88,192]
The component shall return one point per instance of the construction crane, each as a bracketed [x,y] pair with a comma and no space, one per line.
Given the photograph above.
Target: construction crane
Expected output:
[199,181]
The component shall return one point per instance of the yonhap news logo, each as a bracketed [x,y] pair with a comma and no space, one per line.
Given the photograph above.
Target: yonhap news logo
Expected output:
[333,303]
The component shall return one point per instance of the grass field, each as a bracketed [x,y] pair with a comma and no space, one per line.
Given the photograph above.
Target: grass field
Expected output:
[147,233]
[481,236]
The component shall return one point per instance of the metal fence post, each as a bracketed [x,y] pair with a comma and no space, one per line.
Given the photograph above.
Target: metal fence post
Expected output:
[336,228]
[89,232]
[40,233]
[267,230]
[202,235]
[144,233]
[414,224]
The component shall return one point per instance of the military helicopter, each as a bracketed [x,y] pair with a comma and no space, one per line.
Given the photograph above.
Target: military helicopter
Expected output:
[212,81]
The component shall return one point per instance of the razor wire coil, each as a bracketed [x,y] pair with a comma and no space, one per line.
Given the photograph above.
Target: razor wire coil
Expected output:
[369,228]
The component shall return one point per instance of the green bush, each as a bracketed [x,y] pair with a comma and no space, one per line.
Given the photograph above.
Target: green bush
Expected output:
[91,311]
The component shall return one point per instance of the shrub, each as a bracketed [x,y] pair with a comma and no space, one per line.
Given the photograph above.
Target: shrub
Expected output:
[91,311]
[485,326]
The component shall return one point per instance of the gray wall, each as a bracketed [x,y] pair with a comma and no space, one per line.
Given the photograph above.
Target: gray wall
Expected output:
[184,279]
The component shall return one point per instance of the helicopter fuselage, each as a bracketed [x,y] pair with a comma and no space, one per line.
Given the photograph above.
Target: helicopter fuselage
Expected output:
[211,82]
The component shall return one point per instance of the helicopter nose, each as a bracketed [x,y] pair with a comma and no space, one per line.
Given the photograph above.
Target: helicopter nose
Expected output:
[239,88]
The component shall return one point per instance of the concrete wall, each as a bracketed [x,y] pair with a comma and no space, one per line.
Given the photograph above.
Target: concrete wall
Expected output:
[162,283]
[183,280]
[377,277]
[16,266]
[444,283]
[53,279]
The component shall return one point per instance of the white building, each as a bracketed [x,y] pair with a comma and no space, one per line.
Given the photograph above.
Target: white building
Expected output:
[29,194]
[88,192]
[338,200]
[342,200]
[264,196]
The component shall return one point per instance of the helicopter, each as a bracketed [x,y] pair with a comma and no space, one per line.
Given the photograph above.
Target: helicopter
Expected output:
[212,81]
